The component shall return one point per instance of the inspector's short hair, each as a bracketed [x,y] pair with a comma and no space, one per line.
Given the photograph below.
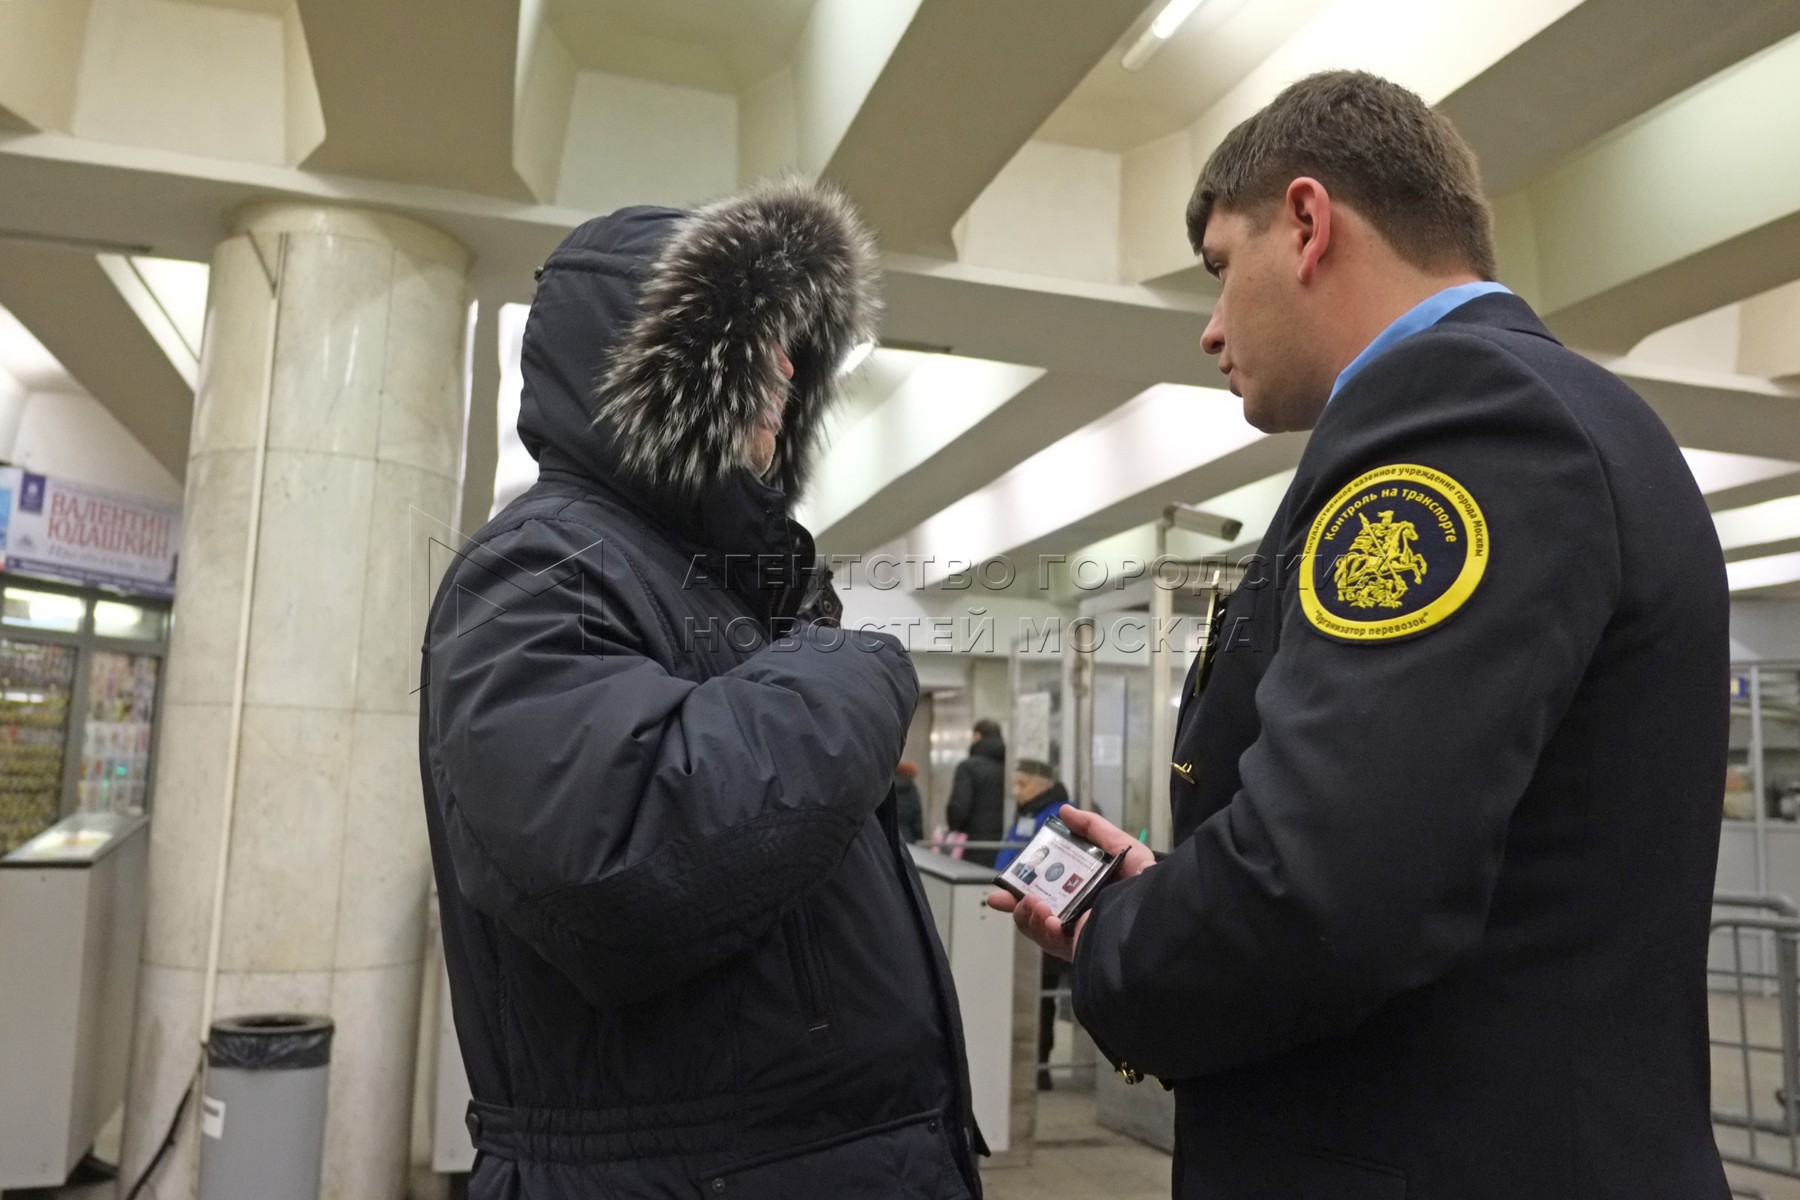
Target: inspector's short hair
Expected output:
[1374,145]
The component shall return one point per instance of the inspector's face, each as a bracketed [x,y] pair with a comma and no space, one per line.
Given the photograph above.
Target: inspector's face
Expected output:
[768,427]
[1258,329]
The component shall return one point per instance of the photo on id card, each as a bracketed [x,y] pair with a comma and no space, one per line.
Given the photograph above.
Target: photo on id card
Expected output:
[1061,868]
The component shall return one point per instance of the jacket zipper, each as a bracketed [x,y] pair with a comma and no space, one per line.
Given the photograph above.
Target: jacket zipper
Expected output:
[808,972]
[964,1148]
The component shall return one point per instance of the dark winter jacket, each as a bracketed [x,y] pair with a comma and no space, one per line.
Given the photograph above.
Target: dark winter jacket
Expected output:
[978,796]
[688,955]
[910,809]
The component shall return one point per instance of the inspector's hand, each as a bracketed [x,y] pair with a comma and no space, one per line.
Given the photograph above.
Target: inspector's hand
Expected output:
[1032,916]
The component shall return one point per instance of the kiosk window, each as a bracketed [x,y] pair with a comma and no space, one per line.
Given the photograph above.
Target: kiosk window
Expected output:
[54,611]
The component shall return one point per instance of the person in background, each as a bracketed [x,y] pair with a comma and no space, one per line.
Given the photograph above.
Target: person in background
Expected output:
[978,793]
[909,809]
[1038,795]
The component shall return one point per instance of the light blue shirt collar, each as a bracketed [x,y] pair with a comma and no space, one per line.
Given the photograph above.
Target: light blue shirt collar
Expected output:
[1421,317]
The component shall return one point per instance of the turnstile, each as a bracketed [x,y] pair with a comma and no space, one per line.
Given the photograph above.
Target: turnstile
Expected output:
[979,942]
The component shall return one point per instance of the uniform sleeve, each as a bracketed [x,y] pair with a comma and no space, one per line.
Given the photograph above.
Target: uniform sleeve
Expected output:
[635,827]
[1359,859]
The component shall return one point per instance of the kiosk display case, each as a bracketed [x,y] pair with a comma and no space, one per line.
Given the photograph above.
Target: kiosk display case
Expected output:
[80,672]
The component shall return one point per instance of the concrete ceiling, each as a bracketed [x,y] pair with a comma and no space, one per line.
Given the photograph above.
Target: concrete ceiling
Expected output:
[1118,110]
[77,313]
[419,91]
[992,72]
[273,8]
[721,47]
[1027,189]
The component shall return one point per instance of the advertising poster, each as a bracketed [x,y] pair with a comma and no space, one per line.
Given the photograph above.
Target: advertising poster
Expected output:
[56,529]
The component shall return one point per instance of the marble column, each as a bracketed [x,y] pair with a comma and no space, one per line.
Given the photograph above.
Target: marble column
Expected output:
[333,366]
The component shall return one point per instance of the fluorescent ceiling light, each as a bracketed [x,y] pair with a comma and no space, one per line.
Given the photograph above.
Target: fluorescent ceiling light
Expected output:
[179,340]
[859,354]
[1165,431]
[1771,571]
[24,358]
[936,404]
[1715,470]
[180,290]
[1758,524]
[1173,15]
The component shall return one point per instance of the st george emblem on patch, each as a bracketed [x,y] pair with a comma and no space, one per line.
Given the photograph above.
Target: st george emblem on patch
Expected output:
[1394,553]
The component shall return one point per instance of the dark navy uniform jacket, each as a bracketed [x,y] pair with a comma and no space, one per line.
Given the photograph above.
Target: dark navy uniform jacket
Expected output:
[1435,922]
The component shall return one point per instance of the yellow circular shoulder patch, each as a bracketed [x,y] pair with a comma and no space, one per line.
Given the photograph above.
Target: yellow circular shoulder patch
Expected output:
[1394,553]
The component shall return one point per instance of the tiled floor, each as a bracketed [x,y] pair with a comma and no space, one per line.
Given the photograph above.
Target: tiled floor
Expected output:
[95,1191]
[1756,1023]
[1074,1159]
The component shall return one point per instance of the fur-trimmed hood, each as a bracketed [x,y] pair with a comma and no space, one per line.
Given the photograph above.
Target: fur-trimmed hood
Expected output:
[649,352]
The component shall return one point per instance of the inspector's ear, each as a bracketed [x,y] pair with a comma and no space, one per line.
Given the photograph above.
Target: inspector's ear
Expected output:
[1306,211]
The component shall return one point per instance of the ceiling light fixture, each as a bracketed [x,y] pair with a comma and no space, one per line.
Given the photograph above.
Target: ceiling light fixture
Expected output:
[1160,30]
[859,354]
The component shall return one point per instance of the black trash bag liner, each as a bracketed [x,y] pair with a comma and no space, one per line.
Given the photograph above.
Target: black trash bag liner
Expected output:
[270,1042]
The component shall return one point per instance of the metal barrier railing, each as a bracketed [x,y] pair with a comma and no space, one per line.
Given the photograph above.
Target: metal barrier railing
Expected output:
[1765,1132]
[1781,906]
[1063,998]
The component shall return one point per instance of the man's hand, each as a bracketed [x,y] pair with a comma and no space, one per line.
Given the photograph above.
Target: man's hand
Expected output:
[1032,915]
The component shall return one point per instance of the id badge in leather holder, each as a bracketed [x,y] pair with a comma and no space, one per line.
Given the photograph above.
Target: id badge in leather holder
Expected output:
[1061,868]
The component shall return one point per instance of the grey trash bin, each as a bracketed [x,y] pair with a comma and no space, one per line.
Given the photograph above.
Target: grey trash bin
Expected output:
[262,1114]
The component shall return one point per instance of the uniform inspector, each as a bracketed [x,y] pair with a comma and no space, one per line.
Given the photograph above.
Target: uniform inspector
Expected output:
[1446,785]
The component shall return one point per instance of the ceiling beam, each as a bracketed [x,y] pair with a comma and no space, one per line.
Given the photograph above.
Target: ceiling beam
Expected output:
[1188,444]
[1708,410]
[179,206]
[1430,46]
[419,91]
[1240,468]
[1168,441]
[138,200]
[1684,211]
[41,44]
[900,480]
[963,88]
[69,304]
[1149,335]
[1539,104]
[1754,493]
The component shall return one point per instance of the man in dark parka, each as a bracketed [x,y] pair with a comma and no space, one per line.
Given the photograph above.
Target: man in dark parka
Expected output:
[977,804]
[688,954]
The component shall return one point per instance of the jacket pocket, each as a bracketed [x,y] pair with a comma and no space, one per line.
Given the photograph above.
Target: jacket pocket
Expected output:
[908,1158]
[810,981]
